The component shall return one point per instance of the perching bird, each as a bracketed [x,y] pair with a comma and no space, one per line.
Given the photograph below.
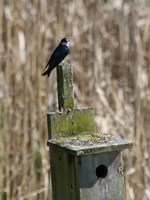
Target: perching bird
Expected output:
[57,56]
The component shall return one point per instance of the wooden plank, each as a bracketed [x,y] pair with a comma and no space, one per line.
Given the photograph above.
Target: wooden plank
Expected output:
[98,148]
[65,86]
[63,175]
[77,121]
[110,187]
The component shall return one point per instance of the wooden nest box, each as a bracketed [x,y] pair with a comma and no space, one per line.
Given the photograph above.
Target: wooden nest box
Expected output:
[85,164]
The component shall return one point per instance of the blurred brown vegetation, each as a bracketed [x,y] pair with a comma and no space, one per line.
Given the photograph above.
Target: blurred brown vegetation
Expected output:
[111,59]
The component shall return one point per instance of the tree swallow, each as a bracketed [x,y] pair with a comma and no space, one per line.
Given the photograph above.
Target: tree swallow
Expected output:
[61,51]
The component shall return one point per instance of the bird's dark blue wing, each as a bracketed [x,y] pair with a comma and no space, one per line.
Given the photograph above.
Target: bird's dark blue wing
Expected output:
[58,55]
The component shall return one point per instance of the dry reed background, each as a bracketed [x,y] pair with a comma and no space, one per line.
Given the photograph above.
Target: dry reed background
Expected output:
[111,59]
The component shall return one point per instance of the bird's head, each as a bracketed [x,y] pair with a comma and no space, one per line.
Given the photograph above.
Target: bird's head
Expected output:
[65,41]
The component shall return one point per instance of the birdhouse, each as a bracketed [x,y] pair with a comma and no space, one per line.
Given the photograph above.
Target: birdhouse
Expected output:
[85,164]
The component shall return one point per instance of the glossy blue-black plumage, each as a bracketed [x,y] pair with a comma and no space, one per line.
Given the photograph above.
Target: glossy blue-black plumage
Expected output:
[57,56]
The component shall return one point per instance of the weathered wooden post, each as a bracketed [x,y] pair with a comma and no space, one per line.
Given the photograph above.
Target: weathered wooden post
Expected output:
[85,164]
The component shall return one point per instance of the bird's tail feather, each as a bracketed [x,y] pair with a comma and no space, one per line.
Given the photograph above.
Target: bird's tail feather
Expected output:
[47,72]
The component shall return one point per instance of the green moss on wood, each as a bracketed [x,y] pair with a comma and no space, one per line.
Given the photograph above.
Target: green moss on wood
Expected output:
[87,145]
[71,122]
